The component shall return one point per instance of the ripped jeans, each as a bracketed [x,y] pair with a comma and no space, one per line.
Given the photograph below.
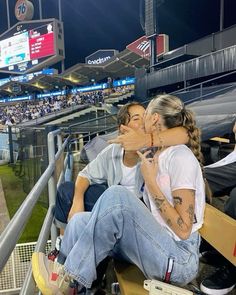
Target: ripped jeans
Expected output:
[121,226]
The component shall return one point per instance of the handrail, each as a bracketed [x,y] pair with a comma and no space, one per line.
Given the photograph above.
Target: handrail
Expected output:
[208,94]
[14,229]
[207,81]
[28,286]
[201,87]
[90,120]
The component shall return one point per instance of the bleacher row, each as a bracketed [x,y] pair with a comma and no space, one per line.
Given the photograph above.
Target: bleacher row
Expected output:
[15,113]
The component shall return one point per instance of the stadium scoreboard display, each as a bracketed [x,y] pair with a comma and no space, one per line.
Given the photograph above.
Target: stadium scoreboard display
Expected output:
[31,45]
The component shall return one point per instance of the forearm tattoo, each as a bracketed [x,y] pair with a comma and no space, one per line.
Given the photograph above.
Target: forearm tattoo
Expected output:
[169,222]
[180,222]
[159,202]
[190,212]
[177,200]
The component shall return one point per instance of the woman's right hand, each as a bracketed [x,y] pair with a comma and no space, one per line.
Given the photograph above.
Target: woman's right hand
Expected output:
[149,168]
[132,140]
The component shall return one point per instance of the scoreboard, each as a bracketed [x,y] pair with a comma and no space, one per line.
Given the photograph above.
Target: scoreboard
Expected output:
[31,45]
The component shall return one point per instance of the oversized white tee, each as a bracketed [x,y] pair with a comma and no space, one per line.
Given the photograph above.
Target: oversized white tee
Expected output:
[178,168]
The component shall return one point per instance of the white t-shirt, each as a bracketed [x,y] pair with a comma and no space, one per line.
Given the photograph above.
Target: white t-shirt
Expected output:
[128,177]
[179,169]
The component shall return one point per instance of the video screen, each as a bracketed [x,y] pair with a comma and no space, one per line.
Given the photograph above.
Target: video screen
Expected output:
[28,45]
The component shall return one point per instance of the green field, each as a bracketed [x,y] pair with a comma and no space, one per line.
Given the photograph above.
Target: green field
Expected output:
[15,195]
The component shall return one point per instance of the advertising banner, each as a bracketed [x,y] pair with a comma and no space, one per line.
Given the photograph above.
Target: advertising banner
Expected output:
[101,56]
[141,46]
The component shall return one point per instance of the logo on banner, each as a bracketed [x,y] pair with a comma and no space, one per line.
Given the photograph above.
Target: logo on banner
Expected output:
[24,10]
[141,46]
[100,56]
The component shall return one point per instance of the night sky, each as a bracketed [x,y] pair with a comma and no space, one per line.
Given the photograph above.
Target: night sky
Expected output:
[90,25]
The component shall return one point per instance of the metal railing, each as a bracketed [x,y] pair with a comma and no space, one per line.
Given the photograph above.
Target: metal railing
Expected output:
[201,87]
[11,234]
[14,272]
[14,229]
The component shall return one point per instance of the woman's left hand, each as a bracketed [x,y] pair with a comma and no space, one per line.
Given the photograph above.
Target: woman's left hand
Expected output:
[149,167]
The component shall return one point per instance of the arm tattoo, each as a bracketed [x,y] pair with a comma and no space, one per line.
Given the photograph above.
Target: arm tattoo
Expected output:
[177,200]
[169,222]
[159,202]
[180,222]
[190,212]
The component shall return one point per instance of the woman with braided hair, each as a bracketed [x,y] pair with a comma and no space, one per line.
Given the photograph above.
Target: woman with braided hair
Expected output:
[160,237]
[181,185]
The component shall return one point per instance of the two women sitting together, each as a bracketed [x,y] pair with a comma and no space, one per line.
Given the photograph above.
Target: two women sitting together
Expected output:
[151,211]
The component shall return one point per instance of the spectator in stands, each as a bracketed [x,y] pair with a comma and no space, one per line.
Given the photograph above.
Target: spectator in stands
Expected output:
[221,175]
[221,179]
[112,166]
[162,240]
[21,112]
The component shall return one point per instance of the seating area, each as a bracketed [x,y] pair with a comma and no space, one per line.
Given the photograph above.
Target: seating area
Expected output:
[131,279]
[24,111]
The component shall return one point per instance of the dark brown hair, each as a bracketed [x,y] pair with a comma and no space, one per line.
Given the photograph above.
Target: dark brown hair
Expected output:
[123,115]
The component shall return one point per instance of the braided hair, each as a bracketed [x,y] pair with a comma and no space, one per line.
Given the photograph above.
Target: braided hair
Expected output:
[174,114]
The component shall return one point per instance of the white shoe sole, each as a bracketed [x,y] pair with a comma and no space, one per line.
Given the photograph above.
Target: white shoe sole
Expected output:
[215,291]
[38,266]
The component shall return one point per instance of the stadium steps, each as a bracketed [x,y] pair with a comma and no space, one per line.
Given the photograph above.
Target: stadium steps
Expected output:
[119,99]
[72,116]
[49,117]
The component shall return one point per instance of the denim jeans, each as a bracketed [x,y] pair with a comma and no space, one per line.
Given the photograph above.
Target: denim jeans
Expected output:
[121,226]
[65,194]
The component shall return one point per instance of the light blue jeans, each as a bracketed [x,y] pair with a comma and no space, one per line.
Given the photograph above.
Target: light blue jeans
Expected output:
[121,226]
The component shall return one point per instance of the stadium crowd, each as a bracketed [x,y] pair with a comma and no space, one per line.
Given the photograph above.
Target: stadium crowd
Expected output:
[15,113]
[11,114]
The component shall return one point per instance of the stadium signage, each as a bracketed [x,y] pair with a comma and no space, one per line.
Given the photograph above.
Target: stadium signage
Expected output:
[101,56]
[31,45]
[141,46]
[26,78]
[24,10]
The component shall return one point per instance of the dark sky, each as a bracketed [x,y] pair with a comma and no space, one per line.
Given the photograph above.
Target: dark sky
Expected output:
[90,25]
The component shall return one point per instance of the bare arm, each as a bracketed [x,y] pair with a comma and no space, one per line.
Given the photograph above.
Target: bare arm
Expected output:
[81,185]
[137,139]
[178,217]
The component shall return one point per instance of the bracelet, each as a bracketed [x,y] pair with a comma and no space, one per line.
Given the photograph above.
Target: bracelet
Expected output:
[151,134]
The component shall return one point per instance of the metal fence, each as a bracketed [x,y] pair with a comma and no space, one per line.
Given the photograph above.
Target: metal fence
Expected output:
[14,272]
[51,177]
